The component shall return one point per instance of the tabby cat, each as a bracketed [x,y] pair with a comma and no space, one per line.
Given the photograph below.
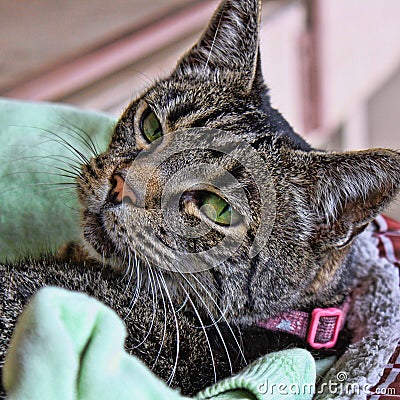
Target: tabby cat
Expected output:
[202,161]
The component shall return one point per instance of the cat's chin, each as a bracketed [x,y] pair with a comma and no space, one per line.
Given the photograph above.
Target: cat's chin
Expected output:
[97,241]
[106,259]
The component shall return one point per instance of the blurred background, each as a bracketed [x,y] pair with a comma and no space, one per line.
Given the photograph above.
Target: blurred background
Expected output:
[333,66]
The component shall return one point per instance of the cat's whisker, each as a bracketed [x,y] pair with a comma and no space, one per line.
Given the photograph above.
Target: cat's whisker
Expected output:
[67,160]
[204,330]
[226,321]
[214,323]
[212,318]
[65,187]
[137,289]
[13,158]
[73,164]
[129,272]
[60,184]
[240,336]
[77,210]
[171,377]
[64,175]
[39,160]
[66,192]
[67,145]
[145,77]
[81,134]
[55,189]
[207,288]
[139,279]
[30,147]
[60,140]
[76,170]
[182,306]
[154,295]
[83,142]
[129,268]
[165,320]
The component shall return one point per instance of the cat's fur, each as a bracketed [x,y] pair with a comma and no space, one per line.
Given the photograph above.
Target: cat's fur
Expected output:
[323,200]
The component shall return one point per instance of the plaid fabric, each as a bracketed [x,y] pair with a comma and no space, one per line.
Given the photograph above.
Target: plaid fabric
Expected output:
[388,234]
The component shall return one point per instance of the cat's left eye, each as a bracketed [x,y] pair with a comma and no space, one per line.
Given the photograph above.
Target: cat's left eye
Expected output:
[151,126]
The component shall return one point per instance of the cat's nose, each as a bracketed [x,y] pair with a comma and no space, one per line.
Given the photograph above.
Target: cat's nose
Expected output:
[121,191]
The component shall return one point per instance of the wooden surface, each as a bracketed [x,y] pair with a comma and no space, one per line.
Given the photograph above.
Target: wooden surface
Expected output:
[36,34]
[150,37]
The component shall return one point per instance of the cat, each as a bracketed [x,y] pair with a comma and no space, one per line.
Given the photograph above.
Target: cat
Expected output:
[202,161]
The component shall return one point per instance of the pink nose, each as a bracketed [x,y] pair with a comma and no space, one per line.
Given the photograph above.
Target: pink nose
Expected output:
[121,191]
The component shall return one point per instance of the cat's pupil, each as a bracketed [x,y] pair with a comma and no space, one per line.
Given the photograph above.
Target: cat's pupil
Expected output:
[151,126]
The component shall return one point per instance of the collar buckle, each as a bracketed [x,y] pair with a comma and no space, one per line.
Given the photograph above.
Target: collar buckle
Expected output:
[323,330]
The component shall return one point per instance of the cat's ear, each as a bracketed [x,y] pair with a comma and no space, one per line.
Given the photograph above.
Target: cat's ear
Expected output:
[348,190]
[230,42]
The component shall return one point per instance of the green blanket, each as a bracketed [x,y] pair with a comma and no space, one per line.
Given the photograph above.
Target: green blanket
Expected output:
[68,346]
[38,206]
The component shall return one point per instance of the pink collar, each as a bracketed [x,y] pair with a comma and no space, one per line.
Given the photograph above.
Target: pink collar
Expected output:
[320,328]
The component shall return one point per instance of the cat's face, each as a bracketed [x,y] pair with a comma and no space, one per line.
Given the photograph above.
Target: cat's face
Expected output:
[240,211]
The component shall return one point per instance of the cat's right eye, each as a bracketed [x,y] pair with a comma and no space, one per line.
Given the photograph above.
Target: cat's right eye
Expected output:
[151,126]
[217,209]
[212,206]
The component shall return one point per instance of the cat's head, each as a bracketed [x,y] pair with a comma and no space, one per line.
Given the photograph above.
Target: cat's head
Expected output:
[241,214]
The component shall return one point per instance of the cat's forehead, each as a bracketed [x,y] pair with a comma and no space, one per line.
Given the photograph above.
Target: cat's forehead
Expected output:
[192,93]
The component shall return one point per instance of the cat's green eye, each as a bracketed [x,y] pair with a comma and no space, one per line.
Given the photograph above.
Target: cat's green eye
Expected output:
[151,126]
[218,210]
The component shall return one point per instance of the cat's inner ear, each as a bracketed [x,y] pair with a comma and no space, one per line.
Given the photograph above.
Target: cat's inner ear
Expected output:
[349,190]
[230,42]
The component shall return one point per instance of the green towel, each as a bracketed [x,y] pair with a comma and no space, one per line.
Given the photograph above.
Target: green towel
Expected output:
[288,374]
[68,346]
[38,212]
